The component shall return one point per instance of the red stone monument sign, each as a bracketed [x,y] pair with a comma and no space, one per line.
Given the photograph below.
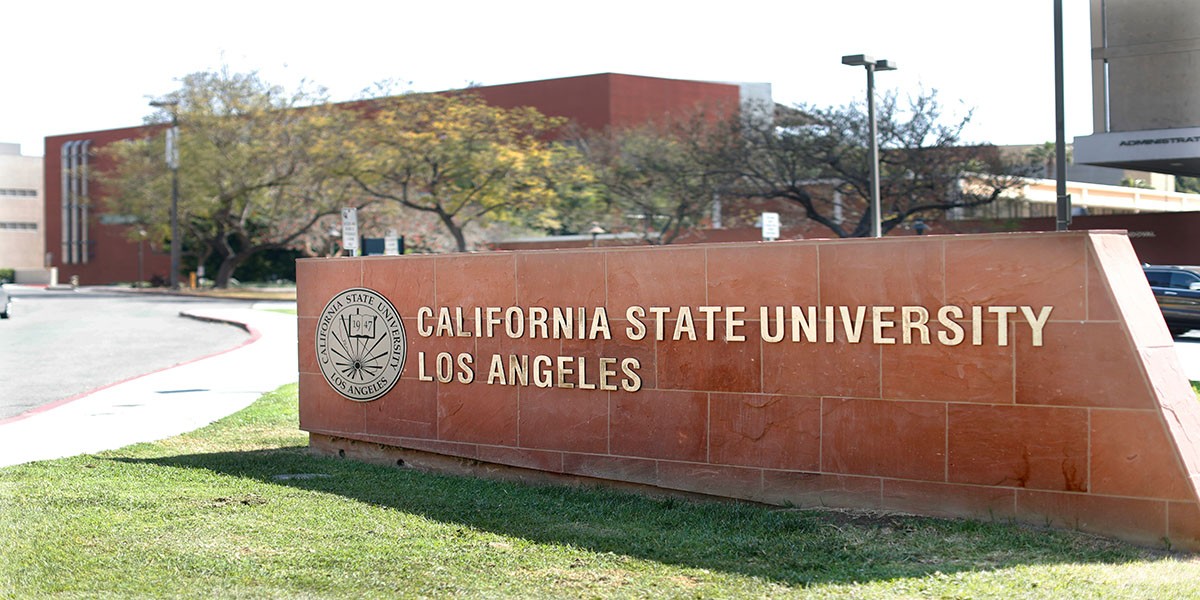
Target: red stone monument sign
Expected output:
[1024,377]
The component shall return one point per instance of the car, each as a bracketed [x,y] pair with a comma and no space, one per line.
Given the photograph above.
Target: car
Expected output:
[1177,290]
[5,302]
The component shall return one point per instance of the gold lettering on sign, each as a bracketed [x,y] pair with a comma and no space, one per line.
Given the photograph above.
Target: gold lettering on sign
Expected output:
[766,323]
[946,317]
[914,318]
[1036,323]
[732,322]
[947,325]
[877,324]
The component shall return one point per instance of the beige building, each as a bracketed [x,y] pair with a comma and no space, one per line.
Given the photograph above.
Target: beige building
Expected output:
[22,244]
[1145,88]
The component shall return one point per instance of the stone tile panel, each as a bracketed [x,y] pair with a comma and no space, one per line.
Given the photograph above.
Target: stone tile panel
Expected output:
[725,481]
[324,410]
[718,366]
[556,278]
[1019,446]
[962,373]
[1133,519]
[774,432]
[318,280]
[822,369]
[409,410]
[617,468]
[948,500]
[889,273]
[807,490]
[775,274]
[564,419]
[665,276]
[470,280]
[1037,269]
[405,282]
[465,415]
[660,424]
[904,440]
[1080,364]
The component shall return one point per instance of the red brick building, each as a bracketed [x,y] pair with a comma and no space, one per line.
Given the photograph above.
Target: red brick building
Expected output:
[85,241]
[614,100]
[82,239]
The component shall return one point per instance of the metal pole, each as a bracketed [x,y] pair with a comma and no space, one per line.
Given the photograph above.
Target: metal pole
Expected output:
[172,156]
[176,248]
[141,251]
[175,245]
[876,226]
[1060,143]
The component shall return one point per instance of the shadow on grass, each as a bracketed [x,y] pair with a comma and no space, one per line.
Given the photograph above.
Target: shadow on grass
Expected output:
[794,547]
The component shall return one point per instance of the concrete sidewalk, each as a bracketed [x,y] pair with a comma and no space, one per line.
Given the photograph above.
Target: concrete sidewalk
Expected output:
[163,403]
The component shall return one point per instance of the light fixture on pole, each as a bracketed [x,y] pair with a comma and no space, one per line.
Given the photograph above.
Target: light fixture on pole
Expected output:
[872,65]
[596,230]
[173,164]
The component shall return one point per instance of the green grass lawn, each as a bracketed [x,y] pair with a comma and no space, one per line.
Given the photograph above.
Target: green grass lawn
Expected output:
[240,509]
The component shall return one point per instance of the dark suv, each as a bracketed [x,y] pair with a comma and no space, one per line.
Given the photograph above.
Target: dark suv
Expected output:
[1178,293]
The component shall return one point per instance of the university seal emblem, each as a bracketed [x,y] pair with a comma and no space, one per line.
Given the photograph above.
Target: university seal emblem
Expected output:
[361,344]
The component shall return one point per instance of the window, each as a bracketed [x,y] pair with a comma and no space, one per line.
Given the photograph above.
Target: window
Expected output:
[1159,278]
[1182,279]
[75,203]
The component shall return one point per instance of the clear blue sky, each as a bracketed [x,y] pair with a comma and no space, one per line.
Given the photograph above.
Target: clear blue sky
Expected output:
[75,65]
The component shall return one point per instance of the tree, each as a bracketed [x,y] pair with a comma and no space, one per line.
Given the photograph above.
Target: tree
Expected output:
[468,163]
[1187,185]
[818,158]
[664,177]
[1042,159]
[258,167]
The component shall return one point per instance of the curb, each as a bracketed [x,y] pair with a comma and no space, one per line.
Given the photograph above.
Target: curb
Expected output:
[210,319]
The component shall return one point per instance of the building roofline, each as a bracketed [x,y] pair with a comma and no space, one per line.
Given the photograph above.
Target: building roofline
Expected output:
[601,74]
[79,134]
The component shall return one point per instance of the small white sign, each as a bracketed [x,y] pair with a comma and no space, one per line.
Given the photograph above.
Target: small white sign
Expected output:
[770,226]
[173,148]
[391,243]
[350,229]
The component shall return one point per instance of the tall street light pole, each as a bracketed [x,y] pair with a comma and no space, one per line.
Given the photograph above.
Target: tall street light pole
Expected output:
[872,65]
[1063,222]
[173,164]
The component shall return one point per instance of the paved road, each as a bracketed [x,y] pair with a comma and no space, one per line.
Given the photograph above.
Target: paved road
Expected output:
[164,403]
[1188,347]
[59,344]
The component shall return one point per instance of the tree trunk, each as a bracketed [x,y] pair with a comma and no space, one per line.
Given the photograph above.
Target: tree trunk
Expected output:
[460,239]
[228,265]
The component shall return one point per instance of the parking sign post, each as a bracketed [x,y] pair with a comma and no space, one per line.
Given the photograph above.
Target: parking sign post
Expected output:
[350,231]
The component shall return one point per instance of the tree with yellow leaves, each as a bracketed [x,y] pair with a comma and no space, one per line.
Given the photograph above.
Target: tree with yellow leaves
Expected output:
[454,156]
